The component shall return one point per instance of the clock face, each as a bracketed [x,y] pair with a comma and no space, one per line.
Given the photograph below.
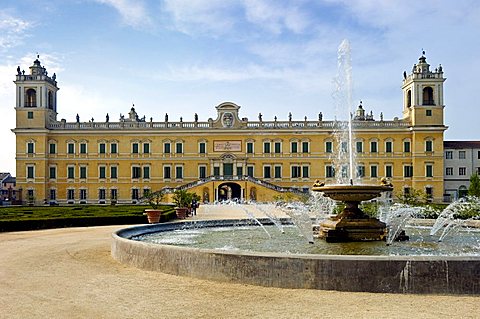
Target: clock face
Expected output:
[227,119]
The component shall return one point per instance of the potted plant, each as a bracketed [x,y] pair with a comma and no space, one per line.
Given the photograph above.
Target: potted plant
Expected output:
[182,200]
[154,199]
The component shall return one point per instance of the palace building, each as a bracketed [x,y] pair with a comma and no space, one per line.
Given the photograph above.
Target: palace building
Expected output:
[222,158]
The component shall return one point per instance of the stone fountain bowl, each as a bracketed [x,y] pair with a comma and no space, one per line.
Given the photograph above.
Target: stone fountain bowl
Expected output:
[352,193]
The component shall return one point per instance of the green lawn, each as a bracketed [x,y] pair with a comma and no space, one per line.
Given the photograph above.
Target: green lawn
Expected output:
[40,217]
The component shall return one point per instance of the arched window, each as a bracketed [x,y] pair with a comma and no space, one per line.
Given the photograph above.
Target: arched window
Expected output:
[31,98]
[428,96]
[409,98]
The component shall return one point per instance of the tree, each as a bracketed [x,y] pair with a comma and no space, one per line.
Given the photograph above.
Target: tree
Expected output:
[474,188]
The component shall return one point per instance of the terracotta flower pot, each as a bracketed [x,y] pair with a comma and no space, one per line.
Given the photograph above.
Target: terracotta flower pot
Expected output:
[181,212]
[153,215]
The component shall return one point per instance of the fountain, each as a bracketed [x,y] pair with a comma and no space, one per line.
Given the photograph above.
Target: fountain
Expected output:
[351,224]
[242,253]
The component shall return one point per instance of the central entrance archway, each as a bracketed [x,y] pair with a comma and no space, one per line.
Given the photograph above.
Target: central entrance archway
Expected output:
[229,191]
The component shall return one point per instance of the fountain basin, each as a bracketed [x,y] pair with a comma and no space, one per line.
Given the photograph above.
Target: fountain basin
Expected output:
[352,193]
[390,274]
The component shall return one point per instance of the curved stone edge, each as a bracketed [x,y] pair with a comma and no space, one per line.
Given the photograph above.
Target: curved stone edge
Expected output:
[384,274]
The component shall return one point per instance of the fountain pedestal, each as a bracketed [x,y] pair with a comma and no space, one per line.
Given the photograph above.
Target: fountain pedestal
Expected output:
[351,224]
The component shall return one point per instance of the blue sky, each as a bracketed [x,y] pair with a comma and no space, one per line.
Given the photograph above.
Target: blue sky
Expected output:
[274,57]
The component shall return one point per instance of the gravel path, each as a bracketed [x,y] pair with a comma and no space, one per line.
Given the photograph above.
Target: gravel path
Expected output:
[68,273]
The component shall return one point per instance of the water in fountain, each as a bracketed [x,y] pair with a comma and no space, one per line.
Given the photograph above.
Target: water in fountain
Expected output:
[269,211]
[397,217]
[299,214]
[344,158]
[456,215]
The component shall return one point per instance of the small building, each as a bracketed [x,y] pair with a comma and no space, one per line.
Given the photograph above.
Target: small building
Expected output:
[8,191]
[462,159]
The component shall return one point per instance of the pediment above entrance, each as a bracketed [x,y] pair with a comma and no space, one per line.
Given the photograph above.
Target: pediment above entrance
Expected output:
[227,116]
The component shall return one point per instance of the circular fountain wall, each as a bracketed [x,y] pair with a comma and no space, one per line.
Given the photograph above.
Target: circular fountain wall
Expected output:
[392,274]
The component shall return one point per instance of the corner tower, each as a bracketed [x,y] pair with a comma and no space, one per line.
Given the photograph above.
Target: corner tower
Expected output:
[423,94]
[36,97]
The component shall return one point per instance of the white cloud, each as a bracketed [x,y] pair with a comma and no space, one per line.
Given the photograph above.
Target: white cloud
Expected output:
[274,17]
[212,17]
[133,12]
[12,30]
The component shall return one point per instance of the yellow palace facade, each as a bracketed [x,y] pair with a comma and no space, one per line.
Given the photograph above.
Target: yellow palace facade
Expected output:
[222,158]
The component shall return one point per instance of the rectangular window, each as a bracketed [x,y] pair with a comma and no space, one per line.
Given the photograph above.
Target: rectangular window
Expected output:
[166,148]
[135,193]
[407,171]
[461,154]
[83,194]
[329,171]
[478,171]
[53,194]
[179,148]
[113,148]
[388,147]
[294,147]
[429,170]
[101,148]
[428,146]
[83,148]
[429,192]
[448,154]
[146,172]
[359,147]
[202,149]
[478,154]
[113,172]
[462,171]
[239,171]
[278,172]
[449,171]
[373,171]
[388,171]
[101,194]
[113,194]
[53,172]
[52,148]
[278,147]
[267,172]
[216,171]
[83,172]
[305,171]
[360,171]
[136,173]
[428,113]
[135,148]
[250,148]
[328,147]
[202,172]
[296,171]
[71,148]
[30,115]
[373,147]
[30,148]
[70,172]
[146,192]
[406,146]
[344,147]
[102,172]
[30,171]
[266,147]
[167,172]
[305,148]
[146,148]
[179,172]
[70,194]
[250,170]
